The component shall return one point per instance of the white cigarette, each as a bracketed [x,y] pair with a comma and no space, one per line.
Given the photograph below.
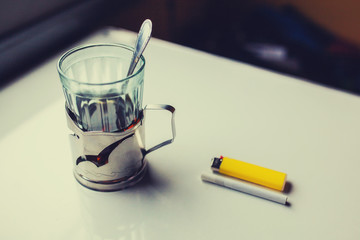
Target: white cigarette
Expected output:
[245,187]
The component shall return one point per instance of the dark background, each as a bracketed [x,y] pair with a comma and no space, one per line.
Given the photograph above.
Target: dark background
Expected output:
[315,40]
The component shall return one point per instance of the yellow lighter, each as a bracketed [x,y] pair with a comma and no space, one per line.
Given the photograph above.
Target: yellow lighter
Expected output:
[249,172]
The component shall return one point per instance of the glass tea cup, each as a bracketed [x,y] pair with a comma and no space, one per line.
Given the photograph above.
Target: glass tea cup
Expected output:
[104,110]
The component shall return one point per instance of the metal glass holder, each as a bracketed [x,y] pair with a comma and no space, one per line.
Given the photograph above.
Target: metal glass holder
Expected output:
[109,161]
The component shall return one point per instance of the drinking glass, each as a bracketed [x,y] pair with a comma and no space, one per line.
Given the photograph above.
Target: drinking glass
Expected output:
[99,95]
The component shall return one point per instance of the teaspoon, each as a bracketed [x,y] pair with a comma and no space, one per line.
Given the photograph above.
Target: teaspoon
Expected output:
[141,42]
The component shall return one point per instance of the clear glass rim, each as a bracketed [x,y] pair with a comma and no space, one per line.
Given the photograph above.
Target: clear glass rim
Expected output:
[79,48]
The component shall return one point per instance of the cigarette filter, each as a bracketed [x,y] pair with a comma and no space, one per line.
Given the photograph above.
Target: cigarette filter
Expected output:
[249,172]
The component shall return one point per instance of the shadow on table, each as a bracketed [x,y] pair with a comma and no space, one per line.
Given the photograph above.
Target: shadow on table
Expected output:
[288,187]
[152,180]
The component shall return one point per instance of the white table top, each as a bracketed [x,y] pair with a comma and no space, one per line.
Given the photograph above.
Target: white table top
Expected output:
[223,107]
